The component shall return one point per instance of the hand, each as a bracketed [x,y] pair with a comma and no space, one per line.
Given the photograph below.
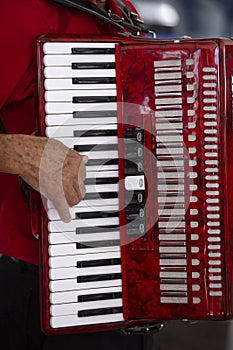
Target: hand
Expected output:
[61,176]
[51,168]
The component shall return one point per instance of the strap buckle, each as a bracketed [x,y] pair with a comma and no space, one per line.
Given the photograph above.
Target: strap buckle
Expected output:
[144,329]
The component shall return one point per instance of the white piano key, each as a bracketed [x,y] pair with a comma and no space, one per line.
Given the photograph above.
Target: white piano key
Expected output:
[71,260]
[72,284]
[67,95]
[61,255]
[69,119]
[101,167]
[73,308]
[101,174]
[102,188]
[68,72]
[91,202]
[67,60]
[69,107]
[60,226]
[68,130]
[72,296]
[58,251]
[94,140]
[101,154]
[72,272]
[53,214]
[99,202]
[73,320]
[67,84]
[71,237]
[66,47]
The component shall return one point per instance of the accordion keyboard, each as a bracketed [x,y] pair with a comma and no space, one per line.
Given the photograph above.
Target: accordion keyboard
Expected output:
[81,112]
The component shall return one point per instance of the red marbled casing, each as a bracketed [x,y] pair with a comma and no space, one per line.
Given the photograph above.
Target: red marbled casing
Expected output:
[180,93]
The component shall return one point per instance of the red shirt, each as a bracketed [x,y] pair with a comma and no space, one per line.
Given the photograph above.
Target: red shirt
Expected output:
[21,22]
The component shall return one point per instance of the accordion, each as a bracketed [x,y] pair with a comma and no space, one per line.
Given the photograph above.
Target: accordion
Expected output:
[152,239]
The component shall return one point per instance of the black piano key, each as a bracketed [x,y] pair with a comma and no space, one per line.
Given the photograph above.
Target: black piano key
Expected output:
[94,132]
[94,99]
[96,297]
[95,278]
[98,244]
[98,195]
[101,162]
[92,51]
[104,262]
[93,65]
[103,147]
[94,114]
[101,180]
[96,80]
[96,312]
[96,229]
[96,214]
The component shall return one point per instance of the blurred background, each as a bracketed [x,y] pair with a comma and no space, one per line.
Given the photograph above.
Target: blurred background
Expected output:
[195,18]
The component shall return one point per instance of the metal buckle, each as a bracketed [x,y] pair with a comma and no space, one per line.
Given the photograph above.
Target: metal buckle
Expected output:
[145,329]
[114,17]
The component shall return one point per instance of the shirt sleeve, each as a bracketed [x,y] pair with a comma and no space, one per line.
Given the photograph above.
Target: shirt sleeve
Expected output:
[20,25]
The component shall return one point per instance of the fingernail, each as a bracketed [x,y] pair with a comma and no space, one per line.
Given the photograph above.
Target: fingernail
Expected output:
[85,159]
[66,217]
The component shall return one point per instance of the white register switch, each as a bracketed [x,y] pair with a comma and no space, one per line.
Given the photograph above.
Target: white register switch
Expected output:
[135,183]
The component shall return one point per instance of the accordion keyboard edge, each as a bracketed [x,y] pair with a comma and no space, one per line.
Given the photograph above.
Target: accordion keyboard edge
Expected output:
[151,240]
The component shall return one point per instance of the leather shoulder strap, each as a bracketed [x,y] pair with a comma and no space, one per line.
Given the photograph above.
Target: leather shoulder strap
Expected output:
[129,21]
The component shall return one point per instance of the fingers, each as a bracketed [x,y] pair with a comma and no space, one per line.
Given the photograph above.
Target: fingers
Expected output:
[61,177]
[62,208]
[77,192]
[74,191]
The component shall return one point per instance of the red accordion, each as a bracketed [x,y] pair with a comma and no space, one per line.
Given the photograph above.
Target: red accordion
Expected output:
[152,239]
